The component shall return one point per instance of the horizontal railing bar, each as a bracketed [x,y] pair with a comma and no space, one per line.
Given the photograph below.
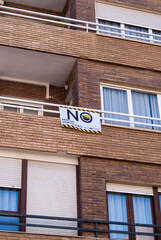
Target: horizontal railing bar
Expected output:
[29,108]
[79,220]
[133,122]
[43,19]
[129,115]
[80,229]
[59,105]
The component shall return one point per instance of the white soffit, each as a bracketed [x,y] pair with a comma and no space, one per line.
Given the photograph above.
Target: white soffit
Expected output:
[159,190]
[38,156]
[38,67]
[133,189]
[128,15]
[55,5]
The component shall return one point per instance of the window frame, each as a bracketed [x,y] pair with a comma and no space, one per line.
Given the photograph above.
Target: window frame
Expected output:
[129,101]
[40,113]
[123,30]
[130,209]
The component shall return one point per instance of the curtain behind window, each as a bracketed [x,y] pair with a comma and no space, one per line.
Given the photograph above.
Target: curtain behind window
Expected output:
[143,215]
[117,212]
[9,203]
[145,105]
[115,101]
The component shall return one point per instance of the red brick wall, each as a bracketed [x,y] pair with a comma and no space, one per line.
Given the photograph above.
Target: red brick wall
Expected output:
[22,90]
[27,236]
[41,133]
[83,9]
[32,91]
[96,172]
[91,74]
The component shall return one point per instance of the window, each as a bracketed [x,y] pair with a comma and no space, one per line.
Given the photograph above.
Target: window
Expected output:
[16,107]
[130,204]
[9,204]
[128,23]
[135,32]
[132,103]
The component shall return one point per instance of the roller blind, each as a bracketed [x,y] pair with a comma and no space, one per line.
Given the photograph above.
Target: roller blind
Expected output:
[10,176]
[51,192]
[123,188]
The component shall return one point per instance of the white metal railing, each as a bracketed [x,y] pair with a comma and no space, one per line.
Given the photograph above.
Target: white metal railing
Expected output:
[16,103]
[80,24]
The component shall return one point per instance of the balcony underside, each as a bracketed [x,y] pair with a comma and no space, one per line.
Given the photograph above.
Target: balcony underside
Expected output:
[56,5]
[39,67]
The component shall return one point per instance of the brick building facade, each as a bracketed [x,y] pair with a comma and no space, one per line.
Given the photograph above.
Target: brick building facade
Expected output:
[109,61]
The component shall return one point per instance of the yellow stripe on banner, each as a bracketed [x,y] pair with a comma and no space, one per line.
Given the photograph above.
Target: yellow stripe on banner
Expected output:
[80,129]
[80,109]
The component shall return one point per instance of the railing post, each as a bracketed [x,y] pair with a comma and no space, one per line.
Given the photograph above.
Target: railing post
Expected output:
[96,234]
[87,27]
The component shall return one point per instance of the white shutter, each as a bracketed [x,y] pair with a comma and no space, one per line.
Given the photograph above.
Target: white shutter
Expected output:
[122,188]
[127,15]
[10,173]
[51,192]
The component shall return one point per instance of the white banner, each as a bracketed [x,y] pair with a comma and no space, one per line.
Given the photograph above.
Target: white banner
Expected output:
[80,119]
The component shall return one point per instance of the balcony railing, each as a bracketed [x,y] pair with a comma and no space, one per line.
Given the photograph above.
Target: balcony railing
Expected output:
[87,26]
[95,226]
[106,117]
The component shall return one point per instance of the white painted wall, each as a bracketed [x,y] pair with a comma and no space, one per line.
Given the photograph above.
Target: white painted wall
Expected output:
[51,192]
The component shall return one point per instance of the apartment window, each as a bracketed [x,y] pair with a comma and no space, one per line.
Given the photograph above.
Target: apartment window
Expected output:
[130,204]
[129,23]
[114,31]
[17,108]
[9,204]
[131,102]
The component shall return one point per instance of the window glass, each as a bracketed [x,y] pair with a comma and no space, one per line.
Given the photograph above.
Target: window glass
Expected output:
[160,201]
[33,112]
[142,213]
[157,37]
[138,32]
[111,31]
[11,109]
[117,212]
[115,101]
[9,203]
[145,105]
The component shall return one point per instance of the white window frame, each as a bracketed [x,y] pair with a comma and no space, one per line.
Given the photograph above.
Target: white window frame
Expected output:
[40,113]
[129,100]
[123,34]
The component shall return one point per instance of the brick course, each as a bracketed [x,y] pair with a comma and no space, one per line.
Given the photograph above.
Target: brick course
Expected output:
[91,74]
[27,236]
[45,134]
[96,172]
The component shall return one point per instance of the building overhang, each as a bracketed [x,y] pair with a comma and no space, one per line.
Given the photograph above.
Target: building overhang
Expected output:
[40,67]
[53,5]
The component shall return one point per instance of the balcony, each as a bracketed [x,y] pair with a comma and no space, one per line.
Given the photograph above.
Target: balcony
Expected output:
[103,27]
[94,228]
[42,130]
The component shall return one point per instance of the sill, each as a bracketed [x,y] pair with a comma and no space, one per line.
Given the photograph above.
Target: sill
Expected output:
[131,128]
[127,39]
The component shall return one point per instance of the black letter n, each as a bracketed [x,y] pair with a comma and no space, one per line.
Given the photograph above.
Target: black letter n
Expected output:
[75,116]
